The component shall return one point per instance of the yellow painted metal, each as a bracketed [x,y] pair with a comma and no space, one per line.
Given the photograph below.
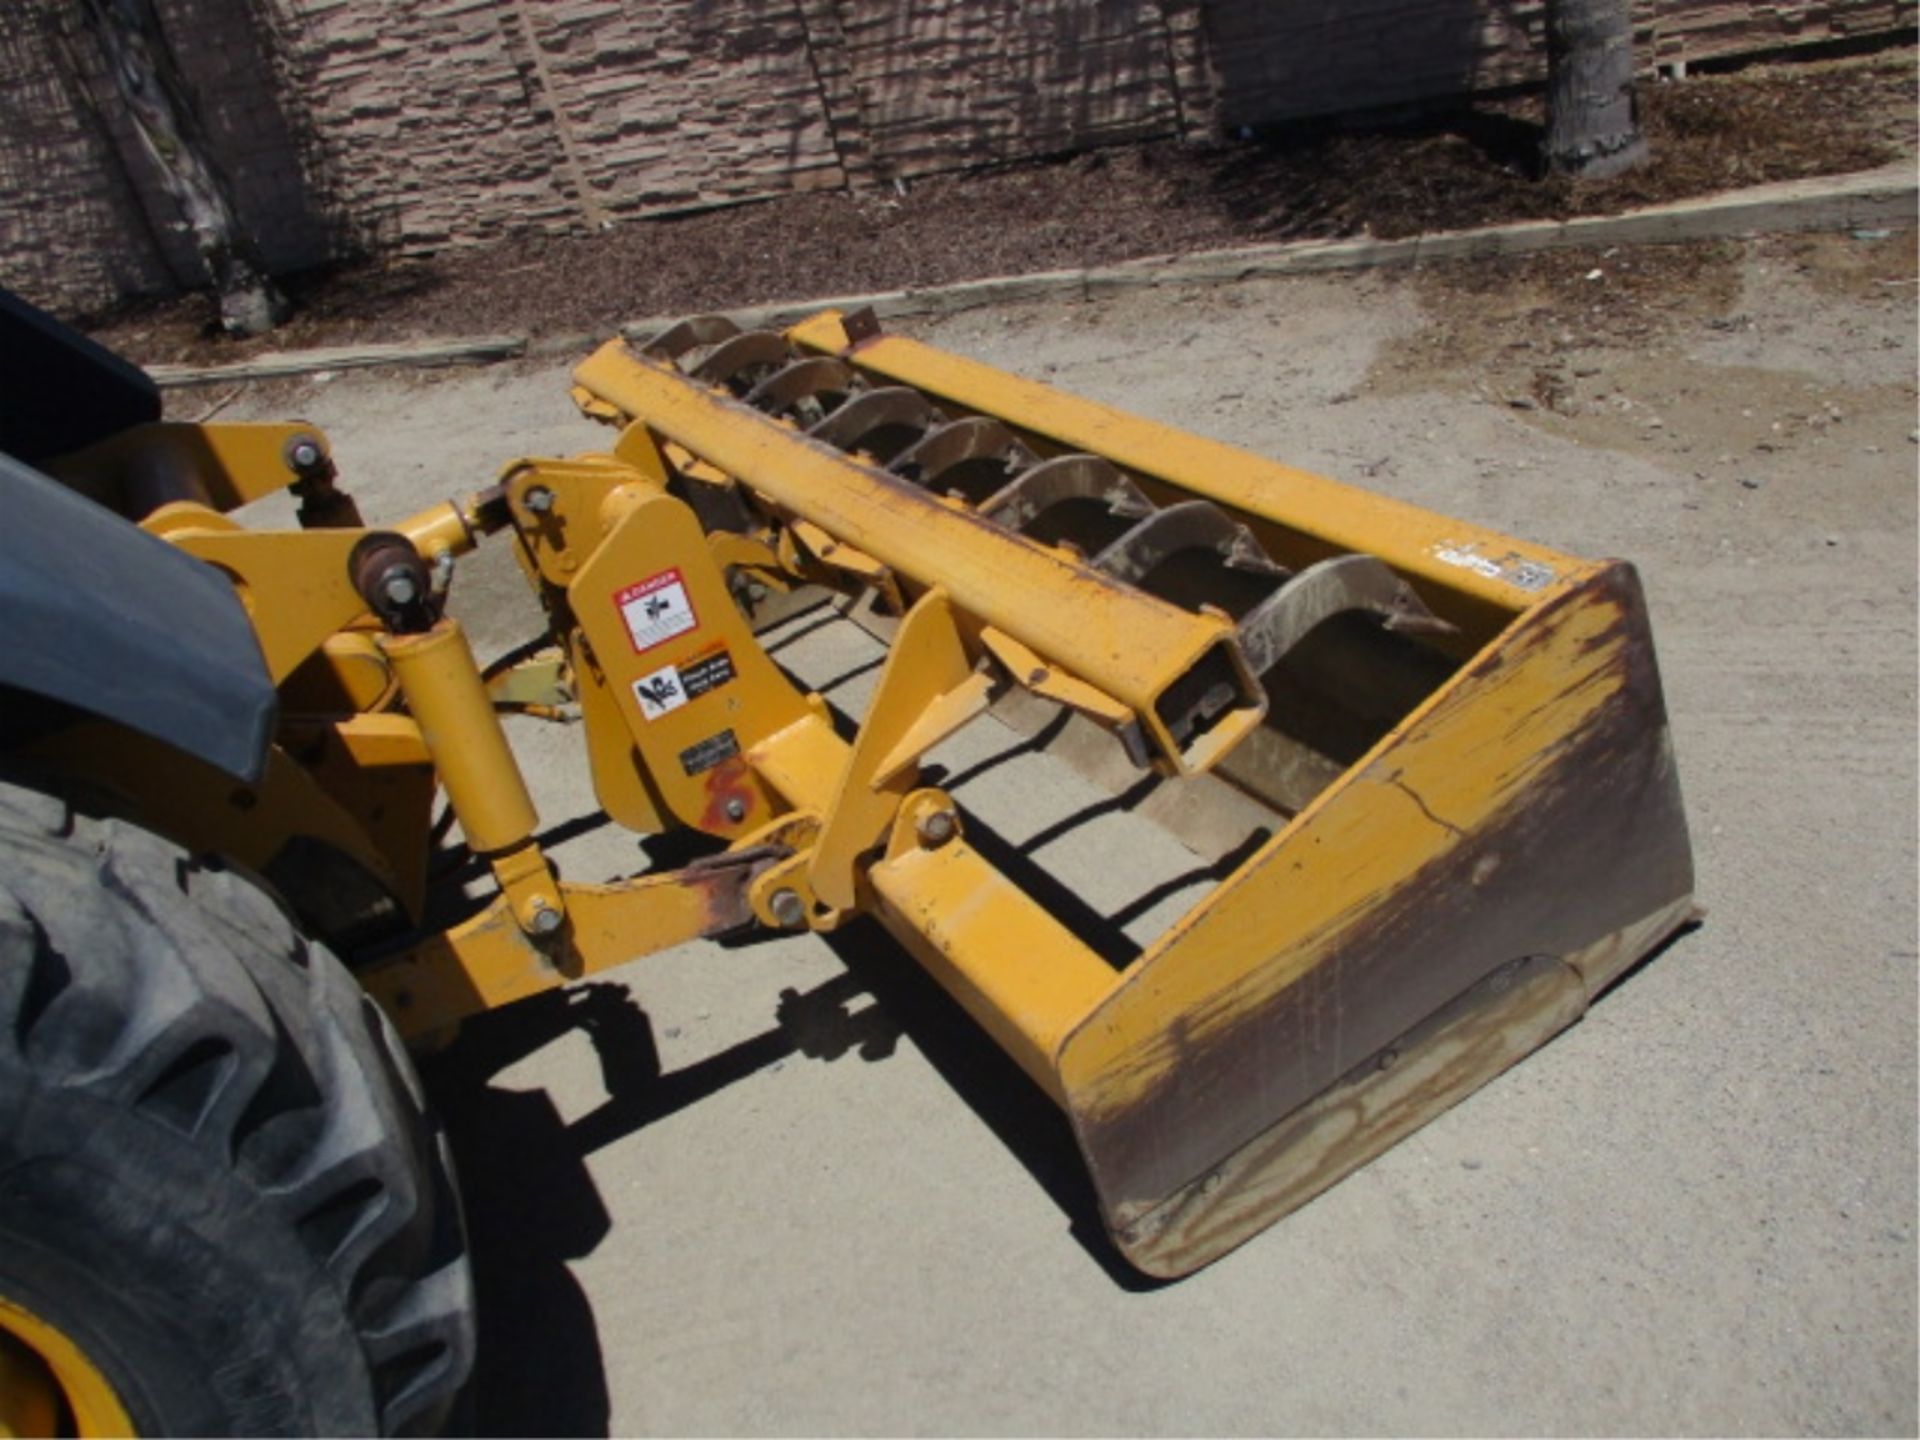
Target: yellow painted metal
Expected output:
[861,567]
[385,793]
[488,961]
[382,741]
[209,812]
[689,721]
[563,509]
[1031,672]
[1366,1112]
[749,551]
[223,465]
[1019,972]
[1468,753]
[451,529]
[529,890]
[690,690]
[294,583]
[802,760]
[621,782]
[539,684]
[449,704]
[926,668]
[1311,516]
[47,1382]
[349,675]
[1127,643]
[476,766]
[1451,849]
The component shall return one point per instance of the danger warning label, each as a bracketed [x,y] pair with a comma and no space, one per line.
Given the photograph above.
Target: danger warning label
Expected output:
[655,610]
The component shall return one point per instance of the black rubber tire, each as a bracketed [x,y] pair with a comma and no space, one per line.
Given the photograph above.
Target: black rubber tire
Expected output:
[218,1174]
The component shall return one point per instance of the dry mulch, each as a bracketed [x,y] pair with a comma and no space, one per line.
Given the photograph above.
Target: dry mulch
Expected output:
[1454,170]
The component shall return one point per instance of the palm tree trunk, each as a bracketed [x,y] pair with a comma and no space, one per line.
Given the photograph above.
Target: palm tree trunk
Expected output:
[157,101]
[1593,122]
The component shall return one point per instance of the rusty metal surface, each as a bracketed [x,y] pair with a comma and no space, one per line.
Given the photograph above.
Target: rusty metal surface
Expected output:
[802,380]
[689,334]
[975,443]
[1469,1040]
[1321,591]
[1059,480]
[740,359]
[1593,844]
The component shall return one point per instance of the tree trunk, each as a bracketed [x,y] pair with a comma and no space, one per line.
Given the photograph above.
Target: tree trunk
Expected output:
[149,83]
[1593,121]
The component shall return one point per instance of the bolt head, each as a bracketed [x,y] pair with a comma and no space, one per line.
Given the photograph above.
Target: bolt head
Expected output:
[304,454]
[539,499]
[399,588]
[788,908]
[545,919]
[736,809]
[936,827]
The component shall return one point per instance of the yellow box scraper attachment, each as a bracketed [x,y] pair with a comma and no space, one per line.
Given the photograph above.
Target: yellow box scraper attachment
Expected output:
[1453,743]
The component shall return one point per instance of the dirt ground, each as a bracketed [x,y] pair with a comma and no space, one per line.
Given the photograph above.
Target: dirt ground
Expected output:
[1435,171]
[785,1188]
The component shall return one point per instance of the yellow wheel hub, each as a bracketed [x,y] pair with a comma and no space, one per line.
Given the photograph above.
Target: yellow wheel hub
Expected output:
[47,1384]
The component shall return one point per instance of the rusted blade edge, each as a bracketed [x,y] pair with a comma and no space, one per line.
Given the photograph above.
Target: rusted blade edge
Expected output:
[1424,1072]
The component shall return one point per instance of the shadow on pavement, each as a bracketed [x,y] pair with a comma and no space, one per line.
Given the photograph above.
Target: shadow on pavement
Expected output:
[531,1207]
[1018,1112]
[531,1204]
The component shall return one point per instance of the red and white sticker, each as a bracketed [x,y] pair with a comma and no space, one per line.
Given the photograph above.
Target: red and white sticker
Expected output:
[655,610]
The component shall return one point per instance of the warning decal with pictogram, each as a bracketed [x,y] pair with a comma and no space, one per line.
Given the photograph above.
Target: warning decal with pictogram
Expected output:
[655,610]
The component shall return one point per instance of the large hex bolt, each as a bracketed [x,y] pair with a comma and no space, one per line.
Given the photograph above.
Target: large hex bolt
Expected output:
[544,919]
[936,828]
[304,455]
[788,908]
[391,577]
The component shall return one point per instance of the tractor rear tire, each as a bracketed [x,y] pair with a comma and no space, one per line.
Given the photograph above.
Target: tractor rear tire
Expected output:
[219,1181]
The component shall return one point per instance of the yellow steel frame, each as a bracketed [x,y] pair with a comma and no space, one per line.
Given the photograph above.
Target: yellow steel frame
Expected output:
[688,722]
[1130,645]
[1477,578]
[223,466]
[1559,655]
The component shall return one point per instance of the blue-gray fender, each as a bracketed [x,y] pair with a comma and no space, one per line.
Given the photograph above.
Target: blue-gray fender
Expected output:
[105,617]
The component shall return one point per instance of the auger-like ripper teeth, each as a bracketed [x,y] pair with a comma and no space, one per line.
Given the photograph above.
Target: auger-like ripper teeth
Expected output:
[1453,742]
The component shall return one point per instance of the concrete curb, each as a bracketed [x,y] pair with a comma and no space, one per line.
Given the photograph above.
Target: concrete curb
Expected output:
[1876,199]
[475,350]
[1881,199]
